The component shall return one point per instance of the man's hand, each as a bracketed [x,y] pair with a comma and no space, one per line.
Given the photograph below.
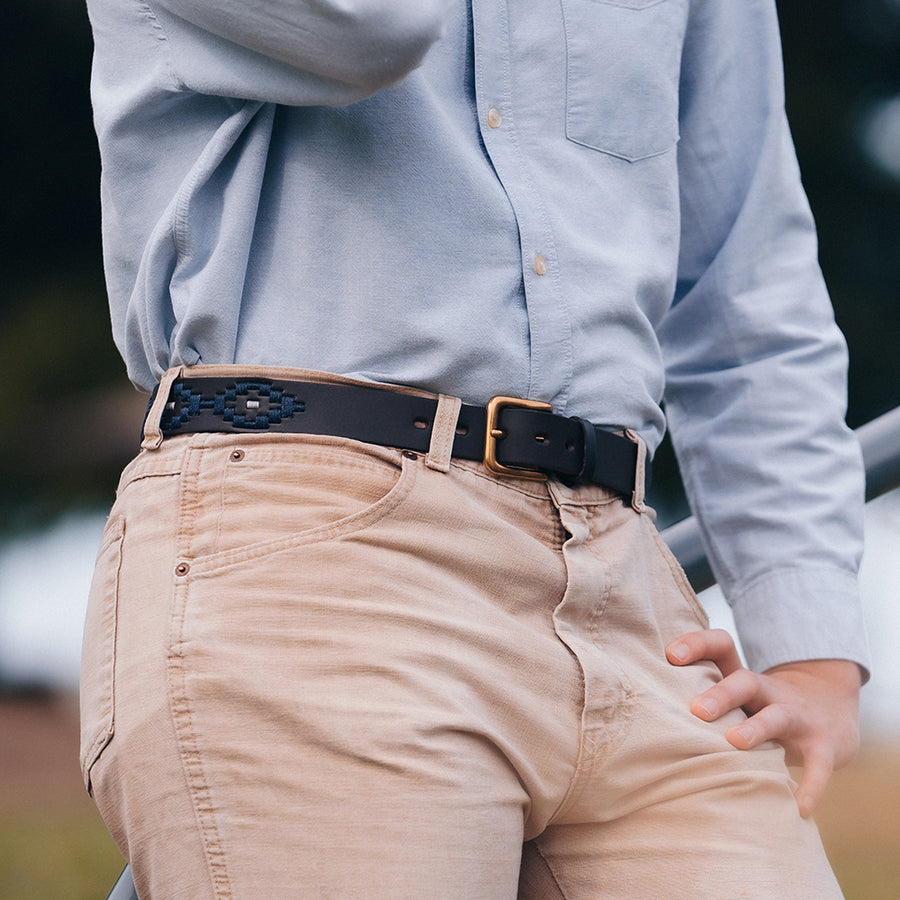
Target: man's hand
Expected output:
[811,708]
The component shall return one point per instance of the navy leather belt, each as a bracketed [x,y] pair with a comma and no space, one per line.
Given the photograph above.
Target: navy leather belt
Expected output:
[512,437]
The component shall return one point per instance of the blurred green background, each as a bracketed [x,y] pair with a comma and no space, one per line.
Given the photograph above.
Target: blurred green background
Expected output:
[70,420]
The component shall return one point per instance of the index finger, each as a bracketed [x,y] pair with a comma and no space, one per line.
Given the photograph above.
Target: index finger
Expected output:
[714,644]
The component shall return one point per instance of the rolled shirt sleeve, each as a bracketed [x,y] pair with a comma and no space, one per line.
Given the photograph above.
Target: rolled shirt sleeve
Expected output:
[327,53]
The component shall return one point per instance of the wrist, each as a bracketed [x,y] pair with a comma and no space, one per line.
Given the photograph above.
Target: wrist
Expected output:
[842,674]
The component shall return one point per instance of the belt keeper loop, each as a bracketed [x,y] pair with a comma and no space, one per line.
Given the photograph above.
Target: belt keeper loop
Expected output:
[590,450]
[152,434]
[443,432]
[640,471]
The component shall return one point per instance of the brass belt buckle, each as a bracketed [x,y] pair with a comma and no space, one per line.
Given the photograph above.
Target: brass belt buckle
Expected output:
[493,433]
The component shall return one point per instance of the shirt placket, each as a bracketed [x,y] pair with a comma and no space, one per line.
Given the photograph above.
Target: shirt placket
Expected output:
[498,99]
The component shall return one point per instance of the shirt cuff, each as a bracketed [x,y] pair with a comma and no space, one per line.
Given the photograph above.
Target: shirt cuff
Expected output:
[801,614]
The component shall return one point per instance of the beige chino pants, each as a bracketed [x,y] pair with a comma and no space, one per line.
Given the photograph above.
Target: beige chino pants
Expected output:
[315,668]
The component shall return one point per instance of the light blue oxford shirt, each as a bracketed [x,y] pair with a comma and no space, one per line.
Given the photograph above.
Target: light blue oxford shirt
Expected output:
[589,202]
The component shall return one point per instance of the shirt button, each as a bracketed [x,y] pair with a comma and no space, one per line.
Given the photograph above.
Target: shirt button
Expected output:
[494,118]
[540,264]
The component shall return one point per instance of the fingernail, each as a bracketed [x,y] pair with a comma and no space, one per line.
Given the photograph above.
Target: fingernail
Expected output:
[747,733]
[709,706]
[679,652]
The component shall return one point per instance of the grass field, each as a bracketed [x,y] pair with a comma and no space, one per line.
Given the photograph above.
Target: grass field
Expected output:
[860,824]
[65,854]
[53,845]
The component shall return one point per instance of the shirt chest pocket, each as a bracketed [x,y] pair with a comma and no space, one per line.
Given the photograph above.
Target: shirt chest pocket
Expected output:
[623,59]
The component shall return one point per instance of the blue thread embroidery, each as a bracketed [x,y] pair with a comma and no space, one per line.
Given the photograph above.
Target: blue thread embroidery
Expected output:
[254,405]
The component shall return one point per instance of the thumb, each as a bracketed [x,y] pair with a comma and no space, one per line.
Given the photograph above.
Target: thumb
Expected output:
[817,772]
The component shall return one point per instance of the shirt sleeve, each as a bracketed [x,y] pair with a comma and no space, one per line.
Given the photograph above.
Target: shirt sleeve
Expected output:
[756,367]
[307,53]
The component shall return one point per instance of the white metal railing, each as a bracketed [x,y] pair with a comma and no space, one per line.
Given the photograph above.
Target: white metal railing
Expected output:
[880,441]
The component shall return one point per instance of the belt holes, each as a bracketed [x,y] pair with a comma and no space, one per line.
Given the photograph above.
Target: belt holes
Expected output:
[237,455]
[570,445]
[420,423]
[462,430]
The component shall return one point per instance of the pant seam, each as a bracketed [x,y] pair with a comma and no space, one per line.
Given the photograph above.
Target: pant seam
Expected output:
[180,707]
[546,862]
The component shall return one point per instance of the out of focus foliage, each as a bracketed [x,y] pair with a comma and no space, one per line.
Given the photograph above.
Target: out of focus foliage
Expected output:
[842,60]
[842,65]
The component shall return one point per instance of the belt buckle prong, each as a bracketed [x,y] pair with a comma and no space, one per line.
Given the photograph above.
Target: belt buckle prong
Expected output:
[494,433]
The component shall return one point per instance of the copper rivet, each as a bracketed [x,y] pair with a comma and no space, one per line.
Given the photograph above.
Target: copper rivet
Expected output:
[182,569]
[410,455]
[237,455]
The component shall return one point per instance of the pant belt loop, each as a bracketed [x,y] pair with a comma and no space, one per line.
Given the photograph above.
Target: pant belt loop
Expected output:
[443,432]
[640,471]
[153,437]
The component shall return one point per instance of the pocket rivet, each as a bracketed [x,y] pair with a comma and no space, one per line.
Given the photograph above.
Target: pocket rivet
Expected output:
[237,455]
[182,569]
[410,455]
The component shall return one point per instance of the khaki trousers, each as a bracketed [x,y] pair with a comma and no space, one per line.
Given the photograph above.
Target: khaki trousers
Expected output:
[315,668]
